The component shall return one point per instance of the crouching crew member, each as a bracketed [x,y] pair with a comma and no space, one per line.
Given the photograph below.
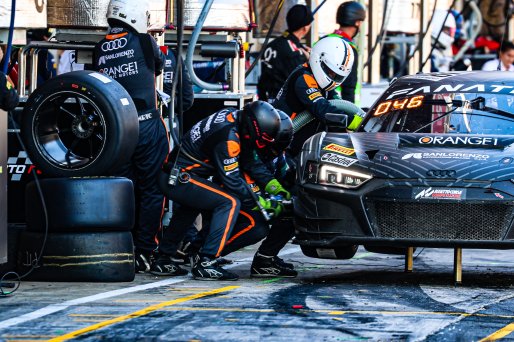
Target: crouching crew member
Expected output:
[212,149]
[131,56]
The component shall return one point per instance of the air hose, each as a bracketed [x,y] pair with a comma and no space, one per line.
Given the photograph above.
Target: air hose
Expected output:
[9,39]
[305,117]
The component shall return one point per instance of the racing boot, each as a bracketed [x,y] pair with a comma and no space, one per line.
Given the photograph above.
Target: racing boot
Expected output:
[205,268]
[165,266]
[142,261]
[269,267]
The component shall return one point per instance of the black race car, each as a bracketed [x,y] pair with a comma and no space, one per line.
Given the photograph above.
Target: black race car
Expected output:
[431,165]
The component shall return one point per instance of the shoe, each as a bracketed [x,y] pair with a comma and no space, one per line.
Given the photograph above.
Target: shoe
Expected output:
[270,267]
[282,263]
[143,260]
[165,266]
[222,261]
[205,268]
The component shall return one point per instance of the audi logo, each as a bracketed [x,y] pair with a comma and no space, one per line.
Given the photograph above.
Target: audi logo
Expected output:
[114,44]
[442,173]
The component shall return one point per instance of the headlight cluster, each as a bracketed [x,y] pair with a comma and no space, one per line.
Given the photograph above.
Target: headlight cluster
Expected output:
[342,177]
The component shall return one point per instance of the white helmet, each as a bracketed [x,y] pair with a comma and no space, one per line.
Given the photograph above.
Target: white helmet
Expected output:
[447,27]
[135,14]
[331,61]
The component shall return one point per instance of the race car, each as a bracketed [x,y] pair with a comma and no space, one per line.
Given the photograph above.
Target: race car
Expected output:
[432,164]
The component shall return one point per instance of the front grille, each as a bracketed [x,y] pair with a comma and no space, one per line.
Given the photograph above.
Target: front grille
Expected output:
[454,221]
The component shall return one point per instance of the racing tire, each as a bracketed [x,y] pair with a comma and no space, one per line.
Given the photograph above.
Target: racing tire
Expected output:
[342,253]
[81,123]
[387,250]
[81,205]
[77,257]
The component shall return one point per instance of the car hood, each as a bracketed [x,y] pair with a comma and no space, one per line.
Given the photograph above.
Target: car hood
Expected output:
[400,155]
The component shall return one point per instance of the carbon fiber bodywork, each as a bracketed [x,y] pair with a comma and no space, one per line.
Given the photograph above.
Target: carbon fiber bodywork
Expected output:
[424,189]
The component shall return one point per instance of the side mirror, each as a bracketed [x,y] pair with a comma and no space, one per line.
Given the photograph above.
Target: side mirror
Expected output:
[336,119]
[336,122]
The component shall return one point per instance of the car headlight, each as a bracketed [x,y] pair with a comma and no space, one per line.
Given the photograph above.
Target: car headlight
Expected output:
[342,177]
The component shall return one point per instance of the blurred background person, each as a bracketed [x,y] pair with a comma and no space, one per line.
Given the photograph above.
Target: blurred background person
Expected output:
[504,60]
[285,53]
[68,62]
[349,17]
[46,65]
[443,35]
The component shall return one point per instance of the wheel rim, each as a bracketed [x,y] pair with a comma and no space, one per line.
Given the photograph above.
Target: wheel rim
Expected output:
[69,130]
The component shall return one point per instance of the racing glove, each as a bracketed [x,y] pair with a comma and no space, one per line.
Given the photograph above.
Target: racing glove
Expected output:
[271,206]
[275,188]
[356,121]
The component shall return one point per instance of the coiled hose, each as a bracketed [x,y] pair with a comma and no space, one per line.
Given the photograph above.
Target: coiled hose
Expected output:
[348,107]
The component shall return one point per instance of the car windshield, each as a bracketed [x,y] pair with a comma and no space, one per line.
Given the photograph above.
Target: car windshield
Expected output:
[463,113]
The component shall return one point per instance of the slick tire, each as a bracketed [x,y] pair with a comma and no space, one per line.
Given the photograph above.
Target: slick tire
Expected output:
[81,123]
[342,253]
[81,205]
[387,250]
[77,257]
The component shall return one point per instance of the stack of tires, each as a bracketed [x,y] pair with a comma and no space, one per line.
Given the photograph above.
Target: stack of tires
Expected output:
[79,128]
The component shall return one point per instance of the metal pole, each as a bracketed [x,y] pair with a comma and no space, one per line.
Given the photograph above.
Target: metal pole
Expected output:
[457,265]
[3,185]
[409,259]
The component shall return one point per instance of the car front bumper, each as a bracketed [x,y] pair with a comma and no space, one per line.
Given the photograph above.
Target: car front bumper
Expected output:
[387,213]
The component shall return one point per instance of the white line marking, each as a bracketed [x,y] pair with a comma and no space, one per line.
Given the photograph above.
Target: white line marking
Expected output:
[53,308]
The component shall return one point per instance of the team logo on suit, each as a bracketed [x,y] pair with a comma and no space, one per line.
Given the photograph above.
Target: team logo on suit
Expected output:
[114,44]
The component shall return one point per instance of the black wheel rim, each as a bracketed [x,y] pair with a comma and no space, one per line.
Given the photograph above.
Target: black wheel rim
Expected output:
[69,130]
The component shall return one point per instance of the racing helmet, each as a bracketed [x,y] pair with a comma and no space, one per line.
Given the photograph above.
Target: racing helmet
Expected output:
[285,132]
[443,22]
[261,124]
[331,61]
[134,14]
[348,13]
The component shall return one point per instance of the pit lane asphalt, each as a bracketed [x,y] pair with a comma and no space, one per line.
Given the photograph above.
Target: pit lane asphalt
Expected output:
[365,298]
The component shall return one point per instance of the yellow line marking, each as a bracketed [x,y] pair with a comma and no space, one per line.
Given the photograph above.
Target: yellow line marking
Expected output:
[66,257]
[139,313]
[499,334]
[336,312]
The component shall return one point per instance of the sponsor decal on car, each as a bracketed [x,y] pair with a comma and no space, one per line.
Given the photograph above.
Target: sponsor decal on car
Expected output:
[500,196]
[439,193]
[446,155]
[449,88]
[455,141]
[338,159]
[339,149]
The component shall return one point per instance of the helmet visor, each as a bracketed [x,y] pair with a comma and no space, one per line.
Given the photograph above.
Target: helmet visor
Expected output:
[331,73]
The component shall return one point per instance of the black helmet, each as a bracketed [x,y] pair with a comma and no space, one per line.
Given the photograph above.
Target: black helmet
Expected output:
[285,133]
[262,123]
[350,12]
